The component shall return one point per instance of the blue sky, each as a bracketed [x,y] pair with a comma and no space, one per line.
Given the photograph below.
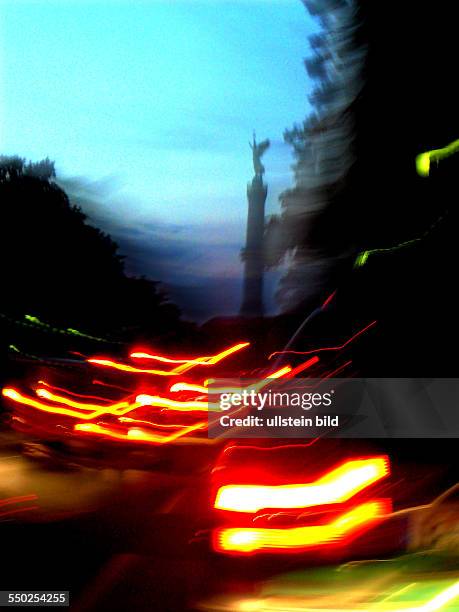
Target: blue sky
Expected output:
[152,104]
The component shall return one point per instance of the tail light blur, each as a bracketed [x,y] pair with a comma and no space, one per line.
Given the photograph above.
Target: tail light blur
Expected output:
[341,529]
[331,509]
[336,486]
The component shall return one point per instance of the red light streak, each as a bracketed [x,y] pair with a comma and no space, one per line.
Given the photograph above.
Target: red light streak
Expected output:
[302,367]
[342,367]
[135,434]
[283,372]
[131,434]
[18,499]
[278,374]
[186,364]
[215,358]
[327,348]
[95,410]
[105,384]
[11,501]
[127,368]
[14,395]
[181,386]
[268,448]
[64,405]
[329,299]
[164,402]
[17,511]
[73,393]
[196,360]
[339,531]
[118,409]
[86,407]
[329,375]
[337,486]
[58,399]
[152,423]
[208,360]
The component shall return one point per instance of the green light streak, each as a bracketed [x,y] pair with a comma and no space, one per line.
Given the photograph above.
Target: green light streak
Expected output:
[362,257]
[69,331]
[14,349]
[32,321]
[424,160]
[75,332]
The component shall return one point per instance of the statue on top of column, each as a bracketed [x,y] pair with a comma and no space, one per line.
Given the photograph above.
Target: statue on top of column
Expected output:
[258,151]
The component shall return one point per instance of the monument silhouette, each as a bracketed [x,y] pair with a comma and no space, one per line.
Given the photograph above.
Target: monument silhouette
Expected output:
[252,254]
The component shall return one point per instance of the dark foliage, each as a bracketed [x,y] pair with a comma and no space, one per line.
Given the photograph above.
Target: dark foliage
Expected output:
[360,145]
[57,266]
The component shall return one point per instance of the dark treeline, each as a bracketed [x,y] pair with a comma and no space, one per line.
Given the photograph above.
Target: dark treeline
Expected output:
[56,266]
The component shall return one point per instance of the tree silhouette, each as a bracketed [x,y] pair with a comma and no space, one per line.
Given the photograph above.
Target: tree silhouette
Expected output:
[322,146]
[57,266]
[385,92]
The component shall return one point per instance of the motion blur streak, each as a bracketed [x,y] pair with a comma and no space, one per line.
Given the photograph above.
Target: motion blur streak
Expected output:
[327,348]
[362,258]
[127,368]
[441,600]
[424,160]
[69,331]
[152,423]
[209,360]
[28,401]
[14,395]
[185,364]
[215,359]
[140,355]
[17,511]
[337,486]
[339,369]
[329,299]
[163,402]
[302,367]
[118,409]
[18,499]
[73,393]
[283,372]
[295,604]
[280,373]
[58,399]
[176,387]
[8,509]
[226,353]
[137,435]
[269,449]
[246,540]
